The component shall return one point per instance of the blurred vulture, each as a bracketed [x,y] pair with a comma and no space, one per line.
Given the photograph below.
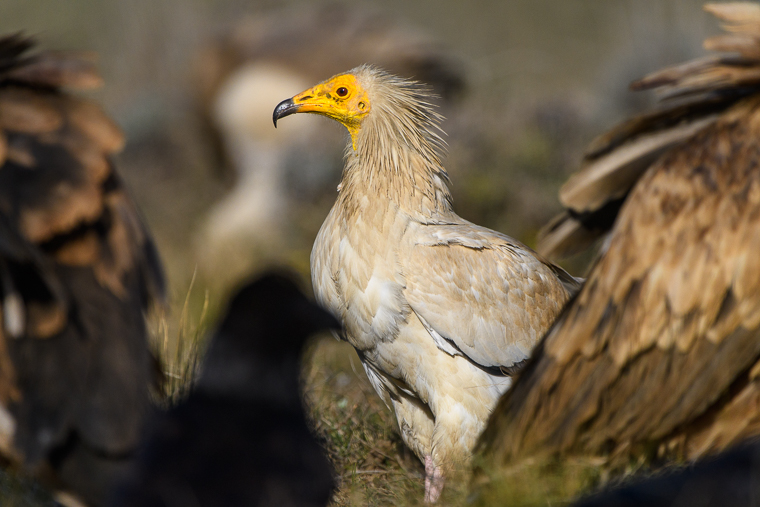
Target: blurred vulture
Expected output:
[245,73]
[77,271]
[730,479]
[659,354]
[242,437]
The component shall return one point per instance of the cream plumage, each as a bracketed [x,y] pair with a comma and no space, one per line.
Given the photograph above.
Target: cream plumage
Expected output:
[440,311]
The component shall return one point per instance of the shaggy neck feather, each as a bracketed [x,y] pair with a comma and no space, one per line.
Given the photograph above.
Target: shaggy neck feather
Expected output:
[398,151]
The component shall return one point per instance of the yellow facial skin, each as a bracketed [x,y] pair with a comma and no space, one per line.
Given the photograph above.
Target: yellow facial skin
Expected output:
[340,98]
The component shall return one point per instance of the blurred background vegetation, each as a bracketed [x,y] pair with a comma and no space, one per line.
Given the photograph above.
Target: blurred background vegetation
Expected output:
[543,77]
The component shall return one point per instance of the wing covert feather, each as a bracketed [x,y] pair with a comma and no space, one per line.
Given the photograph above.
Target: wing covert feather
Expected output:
[487,267]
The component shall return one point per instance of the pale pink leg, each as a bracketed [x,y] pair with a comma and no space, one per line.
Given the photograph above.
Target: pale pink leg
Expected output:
[434,481]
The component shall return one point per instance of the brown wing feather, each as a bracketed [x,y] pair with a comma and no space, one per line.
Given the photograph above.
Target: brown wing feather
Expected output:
[668,321]
[78,269]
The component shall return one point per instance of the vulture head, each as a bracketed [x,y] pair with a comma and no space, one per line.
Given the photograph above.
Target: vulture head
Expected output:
[393,105]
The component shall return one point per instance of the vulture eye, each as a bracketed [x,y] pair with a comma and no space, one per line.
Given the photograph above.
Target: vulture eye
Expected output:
[342,91]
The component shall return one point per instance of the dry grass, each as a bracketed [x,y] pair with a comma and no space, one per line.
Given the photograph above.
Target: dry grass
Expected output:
[178,342]
[356,428]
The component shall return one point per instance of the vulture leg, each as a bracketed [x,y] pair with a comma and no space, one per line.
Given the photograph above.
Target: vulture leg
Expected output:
[434,481]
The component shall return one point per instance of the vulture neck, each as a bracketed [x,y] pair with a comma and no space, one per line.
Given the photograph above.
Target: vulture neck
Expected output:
[398,160]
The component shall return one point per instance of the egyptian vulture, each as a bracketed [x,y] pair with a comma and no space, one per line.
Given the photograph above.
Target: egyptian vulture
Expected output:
[241,438]
[659,354]
[256,62]
[77,271]
[442,312]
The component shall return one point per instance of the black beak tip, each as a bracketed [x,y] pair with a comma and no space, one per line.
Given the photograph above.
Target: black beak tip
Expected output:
[283,109]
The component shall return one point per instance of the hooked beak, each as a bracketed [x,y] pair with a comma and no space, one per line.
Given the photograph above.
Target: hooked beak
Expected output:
[283,109]
[319,100]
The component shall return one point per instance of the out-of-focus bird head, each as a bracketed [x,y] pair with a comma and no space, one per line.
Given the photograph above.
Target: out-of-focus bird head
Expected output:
[256,350]
[244,99]
[272,316]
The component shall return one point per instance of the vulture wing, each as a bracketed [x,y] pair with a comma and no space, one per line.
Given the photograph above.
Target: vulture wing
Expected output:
[659,350]
[490,300]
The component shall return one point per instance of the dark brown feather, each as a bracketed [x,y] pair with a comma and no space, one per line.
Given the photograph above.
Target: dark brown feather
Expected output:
[77,272]
[659,354]
[668,321]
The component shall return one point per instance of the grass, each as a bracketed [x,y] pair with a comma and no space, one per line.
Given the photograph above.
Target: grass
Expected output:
[538,483]
[179,344]
[356,429]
